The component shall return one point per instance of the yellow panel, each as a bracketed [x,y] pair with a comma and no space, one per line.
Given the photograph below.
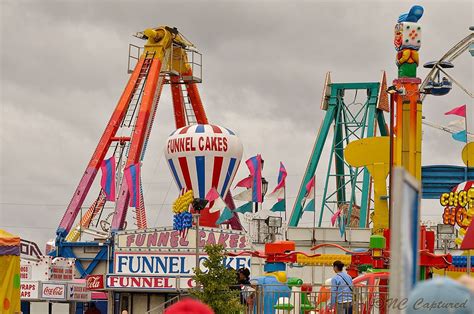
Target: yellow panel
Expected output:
[325,259]
[468,154]
[451,274]
[373,153]
[368,151]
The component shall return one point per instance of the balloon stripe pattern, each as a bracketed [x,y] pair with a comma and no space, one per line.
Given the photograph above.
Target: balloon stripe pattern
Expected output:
[203,156]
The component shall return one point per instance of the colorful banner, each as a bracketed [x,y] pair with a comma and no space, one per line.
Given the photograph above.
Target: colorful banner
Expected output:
[132,175]
[108,178]
[255,167]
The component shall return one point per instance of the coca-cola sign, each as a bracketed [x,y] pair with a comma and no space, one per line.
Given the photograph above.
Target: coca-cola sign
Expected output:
[95,282]
[53,291]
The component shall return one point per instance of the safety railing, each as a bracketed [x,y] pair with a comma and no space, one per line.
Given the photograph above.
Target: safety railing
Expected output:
[268,299]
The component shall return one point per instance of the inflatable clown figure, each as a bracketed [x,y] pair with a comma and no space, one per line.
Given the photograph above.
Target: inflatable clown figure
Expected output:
[408,41]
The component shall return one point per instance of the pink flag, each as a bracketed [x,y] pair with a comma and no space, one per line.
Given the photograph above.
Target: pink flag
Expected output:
[212,195]
[255,167]
[310,186]
[132,175]
[458,111]
[281,178]
[108,178]
[334,217]
[245,183]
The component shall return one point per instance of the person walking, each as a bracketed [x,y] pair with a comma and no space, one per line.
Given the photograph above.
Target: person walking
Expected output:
[341,290]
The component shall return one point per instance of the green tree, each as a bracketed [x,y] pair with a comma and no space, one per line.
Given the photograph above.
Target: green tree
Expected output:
[213,286]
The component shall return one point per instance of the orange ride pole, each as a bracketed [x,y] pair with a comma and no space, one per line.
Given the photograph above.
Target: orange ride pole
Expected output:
[138,139]
[408,133]
[178,103]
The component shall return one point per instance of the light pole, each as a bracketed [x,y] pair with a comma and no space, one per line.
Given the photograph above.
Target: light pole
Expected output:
[198,205]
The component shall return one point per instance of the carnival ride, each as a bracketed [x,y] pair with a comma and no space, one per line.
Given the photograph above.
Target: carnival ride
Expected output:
[351,120]
[402,143]
[167,58]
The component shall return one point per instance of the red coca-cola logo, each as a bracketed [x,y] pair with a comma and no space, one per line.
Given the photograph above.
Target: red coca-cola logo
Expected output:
[95,282]
[51,292]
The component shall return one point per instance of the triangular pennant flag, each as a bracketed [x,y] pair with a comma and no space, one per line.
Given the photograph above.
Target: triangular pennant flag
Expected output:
[310,206]
[246,208]
[218,205]
[310,186]
[244,196]
[335,216]
[281,182]
[278,194]
[310,192]
[245,183]
[460,136]
[458,124]
[279,206]
[212,195]
[225,215]
[458,111]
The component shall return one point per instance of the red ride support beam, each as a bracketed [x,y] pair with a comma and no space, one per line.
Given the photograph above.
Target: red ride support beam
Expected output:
[138,139]
[196,102]
[99,153]
[178,103]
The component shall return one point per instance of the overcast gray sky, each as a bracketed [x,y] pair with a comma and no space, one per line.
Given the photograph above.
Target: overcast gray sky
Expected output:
[63,68]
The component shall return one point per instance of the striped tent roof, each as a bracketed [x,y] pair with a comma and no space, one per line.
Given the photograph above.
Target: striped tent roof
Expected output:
[9,243]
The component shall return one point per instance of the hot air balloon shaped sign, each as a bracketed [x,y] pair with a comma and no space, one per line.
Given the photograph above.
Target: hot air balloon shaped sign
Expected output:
[201,157]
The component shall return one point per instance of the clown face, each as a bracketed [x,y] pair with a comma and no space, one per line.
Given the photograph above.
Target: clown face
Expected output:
[407,36]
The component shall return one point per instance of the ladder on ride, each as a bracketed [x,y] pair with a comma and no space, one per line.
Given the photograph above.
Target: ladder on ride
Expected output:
[188,108]
[138,90]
